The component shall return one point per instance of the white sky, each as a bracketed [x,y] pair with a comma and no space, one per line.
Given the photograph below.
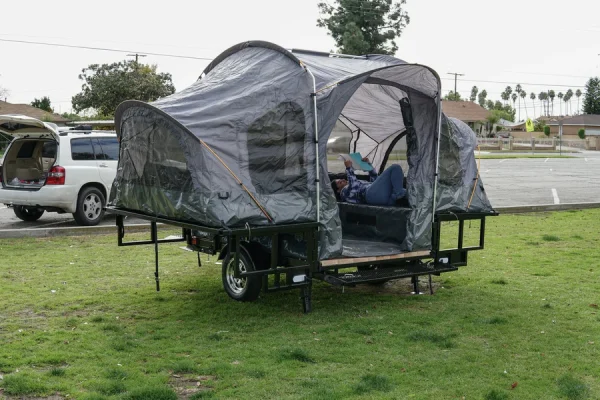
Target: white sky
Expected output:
[530,42]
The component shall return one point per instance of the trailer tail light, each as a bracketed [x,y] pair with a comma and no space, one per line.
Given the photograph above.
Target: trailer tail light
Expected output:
[194,240]
[56,176]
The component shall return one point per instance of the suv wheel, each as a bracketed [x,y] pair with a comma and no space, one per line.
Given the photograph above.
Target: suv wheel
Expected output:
[90,207]
[29,214]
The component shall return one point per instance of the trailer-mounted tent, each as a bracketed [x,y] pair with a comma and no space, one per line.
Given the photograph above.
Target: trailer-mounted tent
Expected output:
[245,145]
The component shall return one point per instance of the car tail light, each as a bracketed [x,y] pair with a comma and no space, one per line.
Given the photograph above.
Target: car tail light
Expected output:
[56,176]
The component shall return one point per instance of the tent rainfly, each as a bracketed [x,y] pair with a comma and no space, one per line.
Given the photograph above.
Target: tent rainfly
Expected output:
[245,145]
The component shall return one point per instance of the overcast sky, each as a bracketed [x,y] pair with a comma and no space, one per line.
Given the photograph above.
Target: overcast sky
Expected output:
[543,42]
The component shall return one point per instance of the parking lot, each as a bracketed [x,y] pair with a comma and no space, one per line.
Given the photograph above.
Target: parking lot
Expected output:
[508,182]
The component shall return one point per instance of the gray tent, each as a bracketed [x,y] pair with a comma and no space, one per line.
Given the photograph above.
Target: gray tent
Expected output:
[246,144]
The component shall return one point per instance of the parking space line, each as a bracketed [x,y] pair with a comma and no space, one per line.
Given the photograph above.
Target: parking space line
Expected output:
[555,195]
[546,160]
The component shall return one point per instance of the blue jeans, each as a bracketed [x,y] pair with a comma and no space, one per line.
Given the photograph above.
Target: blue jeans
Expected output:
[387,188]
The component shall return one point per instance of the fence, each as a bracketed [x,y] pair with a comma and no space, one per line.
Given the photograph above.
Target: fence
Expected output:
[539,145]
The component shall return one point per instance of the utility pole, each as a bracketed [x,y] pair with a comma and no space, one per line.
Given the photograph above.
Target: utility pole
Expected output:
[456,75]
[136,55]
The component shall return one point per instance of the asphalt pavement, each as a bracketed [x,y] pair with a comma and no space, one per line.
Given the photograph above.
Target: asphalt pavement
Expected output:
[508,182]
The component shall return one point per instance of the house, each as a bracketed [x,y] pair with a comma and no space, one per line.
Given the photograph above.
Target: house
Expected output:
[468,112]
[30,111]
[590,123]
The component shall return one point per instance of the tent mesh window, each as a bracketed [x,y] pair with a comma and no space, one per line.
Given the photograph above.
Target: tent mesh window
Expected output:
[276,150]
[451,171]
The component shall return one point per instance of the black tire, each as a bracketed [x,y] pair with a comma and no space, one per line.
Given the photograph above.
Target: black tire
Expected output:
[240,289]
[29,214]
[90,207]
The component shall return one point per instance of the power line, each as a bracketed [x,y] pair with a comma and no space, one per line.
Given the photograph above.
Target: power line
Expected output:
[524,83]
[102,49]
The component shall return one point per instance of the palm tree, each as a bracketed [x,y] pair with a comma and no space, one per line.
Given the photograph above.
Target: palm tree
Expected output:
[523,96]
[566,100]
[541,98]
[552,95]
[504,96]
[569,94]
[492,119]
[578,94]
[532,97]
[514,99]
[508,91]
[560,96]
[518,92]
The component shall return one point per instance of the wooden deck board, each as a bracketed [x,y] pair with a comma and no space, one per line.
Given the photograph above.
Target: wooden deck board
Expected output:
[356,260]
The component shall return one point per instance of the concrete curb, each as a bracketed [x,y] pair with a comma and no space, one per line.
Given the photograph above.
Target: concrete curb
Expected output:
[546,208]
[71,231]
[111,229]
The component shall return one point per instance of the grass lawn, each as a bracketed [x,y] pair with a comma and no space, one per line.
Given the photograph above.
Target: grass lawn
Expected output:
[79,318]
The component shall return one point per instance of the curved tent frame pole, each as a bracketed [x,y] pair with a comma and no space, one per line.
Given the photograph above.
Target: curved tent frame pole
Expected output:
[437,156]
[314,96]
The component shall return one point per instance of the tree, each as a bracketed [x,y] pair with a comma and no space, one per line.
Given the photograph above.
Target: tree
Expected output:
[581,133]
[552,95]
[3,92]
[523,95]
[364,27]
[504,96]
[591,100]
[489,105]
[481,98]
[474,91]
[532,97]
[546,130]
[451,96]
[514,99]
[578,94]
[568,97]
[107,85]
[492,119]
[498,105]
[508,91]
[43,104]
[560,96]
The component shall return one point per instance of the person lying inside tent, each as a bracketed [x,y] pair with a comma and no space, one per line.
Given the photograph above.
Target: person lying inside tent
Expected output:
[384,190]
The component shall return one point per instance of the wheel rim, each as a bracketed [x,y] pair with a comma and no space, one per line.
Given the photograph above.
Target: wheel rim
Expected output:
[237,285]
[92,206]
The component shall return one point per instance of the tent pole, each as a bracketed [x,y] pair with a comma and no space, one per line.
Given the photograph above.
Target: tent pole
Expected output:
[314,96]
[437,156]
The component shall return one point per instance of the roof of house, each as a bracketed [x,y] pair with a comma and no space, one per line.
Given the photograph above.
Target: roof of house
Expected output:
[466,111]
[580,120]
[30,111]
[509,124]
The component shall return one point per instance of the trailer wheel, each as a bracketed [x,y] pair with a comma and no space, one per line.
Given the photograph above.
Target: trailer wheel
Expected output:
[240,289]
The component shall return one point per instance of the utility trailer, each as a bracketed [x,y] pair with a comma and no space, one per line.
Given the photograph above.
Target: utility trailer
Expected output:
[240,162]
[255,265]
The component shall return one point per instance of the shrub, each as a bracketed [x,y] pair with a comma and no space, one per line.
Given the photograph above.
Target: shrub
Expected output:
[547,130]
[581,133]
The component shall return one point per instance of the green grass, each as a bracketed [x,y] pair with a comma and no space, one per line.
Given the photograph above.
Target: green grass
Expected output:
[80,316]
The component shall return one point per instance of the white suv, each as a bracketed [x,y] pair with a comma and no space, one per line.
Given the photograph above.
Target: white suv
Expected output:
[48,169]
